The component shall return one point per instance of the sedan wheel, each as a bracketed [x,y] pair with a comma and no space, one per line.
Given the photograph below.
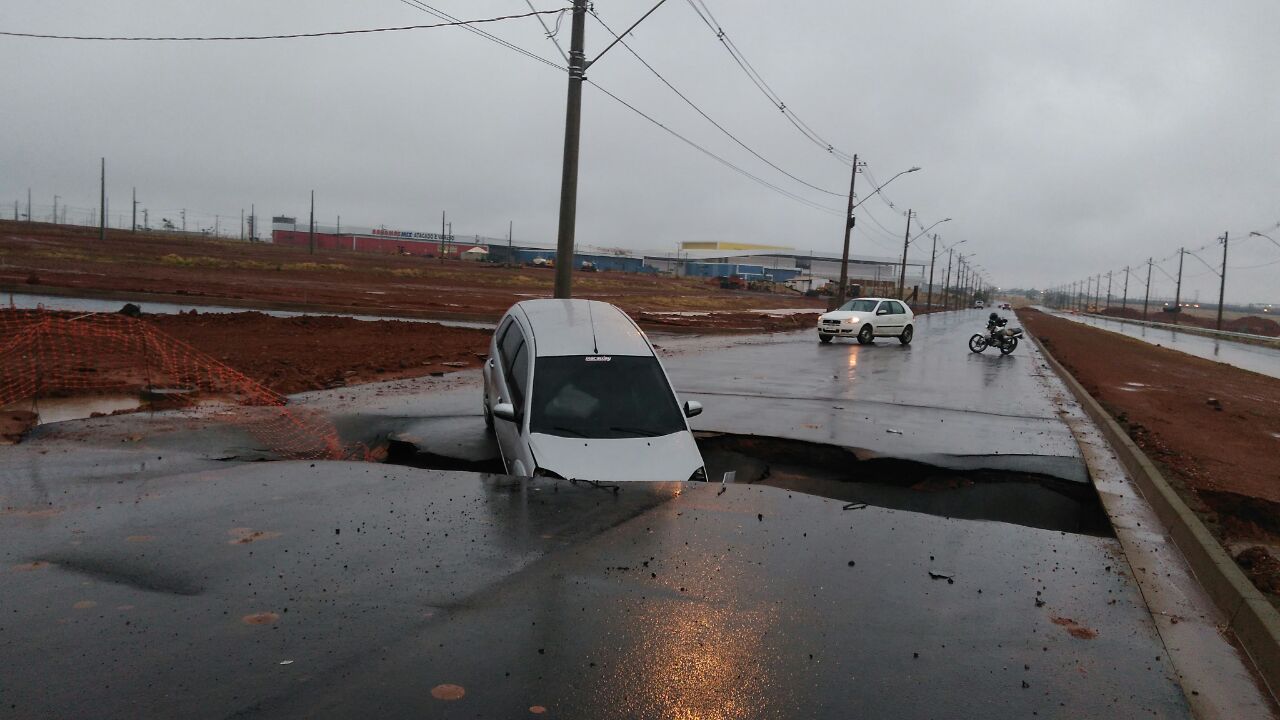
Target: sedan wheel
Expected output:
[824,338]
[866,335]
[907,333]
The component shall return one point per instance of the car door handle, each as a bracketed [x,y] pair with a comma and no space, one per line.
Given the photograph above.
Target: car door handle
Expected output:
[491,363]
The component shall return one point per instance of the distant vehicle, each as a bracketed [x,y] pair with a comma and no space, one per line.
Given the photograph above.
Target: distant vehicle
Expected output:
[1006,306]
[574,390]
[588,266]
[732,282]
[542,262]
[867,319]
[979,304]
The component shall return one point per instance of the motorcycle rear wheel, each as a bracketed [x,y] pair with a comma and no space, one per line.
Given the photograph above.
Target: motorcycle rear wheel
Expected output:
[1009,346]
[977,343]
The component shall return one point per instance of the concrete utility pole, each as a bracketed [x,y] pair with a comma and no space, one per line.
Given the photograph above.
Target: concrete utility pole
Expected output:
[146,219]
[569,172]
[55,208]
[253,222]
[242,224]
[29,218]
[848,230]
[1108,289]
[906,240]
[134,224]
[933,255]
[1146,297]
[1177,292]
[184,219]
[1222,285]
[312,232]
[946,301]
[102,217]
[1124,301]
[443,251]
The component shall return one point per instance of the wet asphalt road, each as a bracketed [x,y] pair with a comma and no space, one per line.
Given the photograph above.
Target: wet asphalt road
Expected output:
[189,585]
[932,399]
[1258,358]
[359,590]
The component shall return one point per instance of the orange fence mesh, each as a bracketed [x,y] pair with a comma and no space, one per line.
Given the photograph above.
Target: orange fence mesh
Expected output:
[59,354]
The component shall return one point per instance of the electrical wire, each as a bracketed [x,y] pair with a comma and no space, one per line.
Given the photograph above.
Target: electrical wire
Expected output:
[422,6]
[291,36]
[707,117]
[774,99]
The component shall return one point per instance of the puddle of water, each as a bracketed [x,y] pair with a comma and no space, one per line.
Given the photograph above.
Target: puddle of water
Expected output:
[54,410]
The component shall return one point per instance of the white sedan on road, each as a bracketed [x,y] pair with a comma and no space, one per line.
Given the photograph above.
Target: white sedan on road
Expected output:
[867,319]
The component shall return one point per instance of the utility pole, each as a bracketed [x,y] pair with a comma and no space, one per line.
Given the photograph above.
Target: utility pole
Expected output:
[146,219]
[184,219]
[134,224]
[102,217]
[242,224]
[1108,289]
[29,218]
[253,222]
[569,173]
[442,247]
[906,240]
[55,209]
[848,229]
[311,242]
[511,257]
[1146,297]
[1124,302]
[1222,286]
[946,301]
[1177,293]
[933,255]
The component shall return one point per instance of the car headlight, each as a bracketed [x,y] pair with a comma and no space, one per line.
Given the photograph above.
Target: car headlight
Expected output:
[851,321]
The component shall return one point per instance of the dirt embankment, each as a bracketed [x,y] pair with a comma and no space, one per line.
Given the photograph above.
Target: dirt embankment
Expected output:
[67,260]
[1214,429]
[291,355]
[1251,324]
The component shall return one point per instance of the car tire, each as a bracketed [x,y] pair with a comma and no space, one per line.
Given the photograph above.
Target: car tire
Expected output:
[824,338]
[907,333]
[866,335]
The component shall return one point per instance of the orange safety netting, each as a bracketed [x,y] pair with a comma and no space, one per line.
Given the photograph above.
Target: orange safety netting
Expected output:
[58,354]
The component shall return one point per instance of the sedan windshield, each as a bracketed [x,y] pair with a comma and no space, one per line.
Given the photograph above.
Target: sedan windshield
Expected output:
[860,305]
[602,397]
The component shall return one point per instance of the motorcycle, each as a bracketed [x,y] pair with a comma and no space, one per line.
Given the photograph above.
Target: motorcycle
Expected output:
[998,336]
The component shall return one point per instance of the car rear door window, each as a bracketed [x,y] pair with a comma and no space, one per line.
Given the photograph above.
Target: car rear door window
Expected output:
[898,309]
[518,374]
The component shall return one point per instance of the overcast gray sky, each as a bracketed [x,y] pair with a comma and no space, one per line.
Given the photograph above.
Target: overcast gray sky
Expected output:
[1064,138]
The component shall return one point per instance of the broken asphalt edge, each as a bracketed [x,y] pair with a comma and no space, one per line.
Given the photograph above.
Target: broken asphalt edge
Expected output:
[1255,622]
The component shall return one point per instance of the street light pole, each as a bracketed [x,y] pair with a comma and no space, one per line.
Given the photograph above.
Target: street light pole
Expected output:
[1147,296]
[906,240]
[848,229]
[1177,292]
[946,301]
[1222,287]
[933,256]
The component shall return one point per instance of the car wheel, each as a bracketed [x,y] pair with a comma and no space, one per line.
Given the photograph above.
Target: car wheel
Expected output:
[977,343]
[822,338]
[907,333]
[866,335]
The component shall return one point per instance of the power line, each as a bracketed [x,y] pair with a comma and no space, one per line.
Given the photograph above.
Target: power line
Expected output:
[717,158]
[291,36]
[533,56]
[774,99]
[708,118]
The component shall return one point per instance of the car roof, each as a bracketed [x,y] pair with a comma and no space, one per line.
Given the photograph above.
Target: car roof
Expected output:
[581,327]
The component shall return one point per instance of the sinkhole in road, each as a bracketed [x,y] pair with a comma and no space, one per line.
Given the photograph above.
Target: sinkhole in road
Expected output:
[1020,498]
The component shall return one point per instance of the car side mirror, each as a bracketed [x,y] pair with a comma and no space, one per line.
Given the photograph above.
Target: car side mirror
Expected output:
[505,411]
[882,311]
[692,408]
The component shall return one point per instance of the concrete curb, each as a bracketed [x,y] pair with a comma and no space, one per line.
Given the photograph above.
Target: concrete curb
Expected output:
[1255,622]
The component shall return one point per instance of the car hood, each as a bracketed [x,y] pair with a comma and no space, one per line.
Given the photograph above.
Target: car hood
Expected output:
[670,457]
[844,315]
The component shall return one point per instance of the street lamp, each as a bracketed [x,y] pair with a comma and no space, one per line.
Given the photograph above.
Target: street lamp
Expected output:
[849,221]
[902,276]
[1258,234]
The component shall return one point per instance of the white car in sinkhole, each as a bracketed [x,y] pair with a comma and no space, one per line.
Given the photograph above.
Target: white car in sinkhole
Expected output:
[573,389]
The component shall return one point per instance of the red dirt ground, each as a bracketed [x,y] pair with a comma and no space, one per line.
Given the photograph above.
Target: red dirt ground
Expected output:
[1215,429]
[1251,324]
[69,260]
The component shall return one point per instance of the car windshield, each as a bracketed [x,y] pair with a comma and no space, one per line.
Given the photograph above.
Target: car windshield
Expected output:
[860,305]
[603,397]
